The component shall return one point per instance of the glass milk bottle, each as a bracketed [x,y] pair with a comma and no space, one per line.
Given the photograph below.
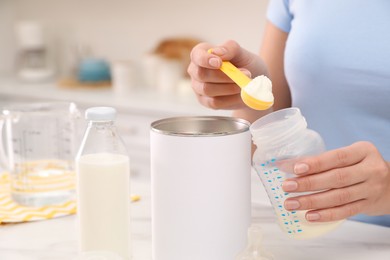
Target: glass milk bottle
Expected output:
[281,138]
[103,186]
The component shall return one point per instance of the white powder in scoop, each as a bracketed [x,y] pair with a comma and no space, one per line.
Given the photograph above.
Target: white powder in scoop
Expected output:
[260,88]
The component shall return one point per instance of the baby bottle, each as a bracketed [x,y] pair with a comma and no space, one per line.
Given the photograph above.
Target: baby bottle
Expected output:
[254,250]
[103,187]
[281,138]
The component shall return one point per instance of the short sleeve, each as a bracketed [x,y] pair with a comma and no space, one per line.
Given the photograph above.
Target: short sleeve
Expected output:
[279,14]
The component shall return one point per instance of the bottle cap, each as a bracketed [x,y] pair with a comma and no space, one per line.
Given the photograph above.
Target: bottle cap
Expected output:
[100,114]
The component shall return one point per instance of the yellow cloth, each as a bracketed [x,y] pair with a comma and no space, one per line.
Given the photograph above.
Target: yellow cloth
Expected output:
[11,212]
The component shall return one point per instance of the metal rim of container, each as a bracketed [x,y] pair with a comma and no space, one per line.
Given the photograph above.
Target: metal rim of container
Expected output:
[241,126]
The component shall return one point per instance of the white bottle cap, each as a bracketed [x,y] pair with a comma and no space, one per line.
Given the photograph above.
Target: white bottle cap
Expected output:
[100,114]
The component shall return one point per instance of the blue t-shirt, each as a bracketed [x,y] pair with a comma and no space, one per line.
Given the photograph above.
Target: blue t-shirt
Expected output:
[337,64]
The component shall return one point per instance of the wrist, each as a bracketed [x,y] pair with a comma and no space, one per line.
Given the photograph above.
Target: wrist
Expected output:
[387,204]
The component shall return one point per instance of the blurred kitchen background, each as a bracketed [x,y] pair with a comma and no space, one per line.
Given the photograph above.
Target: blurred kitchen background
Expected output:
[127,29]
[128,54]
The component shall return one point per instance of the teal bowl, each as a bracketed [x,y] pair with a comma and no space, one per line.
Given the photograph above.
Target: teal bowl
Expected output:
[94,70]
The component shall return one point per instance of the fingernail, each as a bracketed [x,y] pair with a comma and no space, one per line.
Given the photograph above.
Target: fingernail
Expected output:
[289,185]
[215,62]
[312,216]
[246,72]
[300,168]
[219,51]
[292,204]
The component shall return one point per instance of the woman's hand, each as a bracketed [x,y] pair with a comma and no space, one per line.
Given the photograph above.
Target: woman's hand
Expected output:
[213,88]
[356,179]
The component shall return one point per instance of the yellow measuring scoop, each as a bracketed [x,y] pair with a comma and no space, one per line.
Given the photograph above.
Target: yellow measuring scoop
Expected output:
[242,81]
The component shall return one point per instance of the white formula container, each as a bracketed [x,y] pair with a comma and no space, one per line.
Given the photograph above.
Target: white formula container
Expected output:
[201,200]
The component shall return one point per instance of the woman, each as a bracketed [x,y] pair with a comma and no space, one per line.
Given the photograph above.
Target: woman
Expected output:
[331,59]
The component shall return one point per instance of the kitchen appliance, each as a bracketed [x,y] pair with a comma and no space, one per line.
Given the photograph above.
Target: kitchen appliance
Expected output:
[33,61]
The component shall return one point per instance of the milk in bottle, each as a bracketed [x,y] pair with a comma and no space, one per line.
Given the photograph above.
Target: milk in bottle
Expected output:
[282,137]
[103,187]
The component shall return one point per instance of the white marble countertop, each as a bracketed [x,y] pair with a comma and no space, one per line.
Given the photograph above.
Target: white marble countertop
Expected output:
[56,239]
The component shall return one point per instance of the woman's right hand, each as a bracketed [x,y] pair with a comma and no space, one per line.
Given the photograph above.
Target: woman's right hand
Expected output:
[212,87]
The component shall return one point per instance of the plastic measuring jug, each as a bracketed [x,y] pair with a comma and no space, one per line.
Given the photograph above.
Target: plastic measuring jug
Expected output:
[37,149]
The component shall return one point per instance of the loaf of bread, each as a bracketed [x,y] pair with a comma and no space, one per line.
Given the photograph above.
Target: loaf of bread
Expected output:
[176,49]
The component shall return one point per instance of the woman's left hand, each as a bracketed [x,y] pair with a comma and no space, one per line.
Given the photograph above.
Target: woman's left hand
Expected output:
[348,181]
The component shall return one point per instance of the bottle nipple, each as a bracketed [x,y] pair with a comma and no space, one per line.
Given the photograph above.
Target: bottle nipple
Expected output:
[254,250]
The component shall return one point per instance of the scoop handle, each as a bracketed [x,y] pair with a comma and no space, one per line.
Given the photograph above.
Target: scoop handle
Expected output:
[235,74]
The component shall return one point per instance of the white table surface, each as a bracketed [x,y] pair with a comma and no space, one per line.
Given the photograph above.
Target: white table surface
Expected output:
[57,238]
